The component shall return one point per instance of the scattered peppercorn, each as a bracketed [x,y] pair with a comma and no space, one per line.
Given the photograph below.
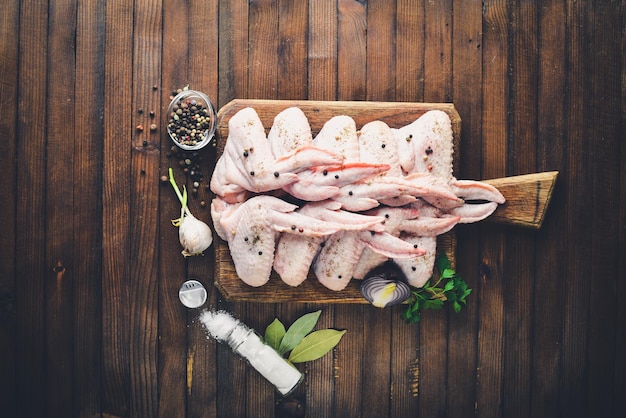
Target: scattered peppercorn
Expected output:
[153,127]
[151,114]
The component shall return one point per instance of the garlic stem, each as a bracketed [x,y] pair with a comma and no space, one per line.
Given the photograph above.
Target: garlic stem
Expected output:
[181,197]
[195,236]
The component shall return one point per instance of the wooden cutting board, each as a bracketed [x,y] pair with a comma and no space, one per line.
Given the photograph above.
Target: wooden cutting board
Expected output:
[527,196]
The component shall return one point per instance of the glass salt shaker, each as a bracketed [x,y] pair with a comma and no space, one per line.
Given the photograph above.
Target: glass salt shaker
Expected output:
[271,365]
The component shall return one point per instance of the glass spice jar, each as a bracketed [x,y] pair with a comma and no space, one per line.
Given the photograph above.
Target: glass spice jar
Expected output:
[191,120]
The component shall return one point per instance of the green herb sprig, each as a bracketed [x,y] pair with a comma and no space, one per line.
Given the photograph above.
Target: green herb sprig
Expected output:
[449,287]
[299,343]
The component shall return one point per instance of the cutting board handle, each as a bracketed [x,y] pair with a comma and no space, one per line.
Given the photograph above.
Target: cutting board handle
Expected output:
[527,198]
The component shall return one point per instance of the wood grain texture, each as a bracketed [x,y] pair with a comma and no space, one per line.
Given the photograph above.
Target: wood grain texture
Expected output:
[117,125]
[87,237]
[90,322]
[467,52]
[30,185]
[143,180]
[9,54]
[527,198]
[437,88]
[491,314]
[177,373]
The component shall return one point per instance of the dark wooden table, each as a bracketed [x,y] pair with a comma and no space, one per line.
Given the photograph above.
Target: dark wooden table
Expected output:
[90,267]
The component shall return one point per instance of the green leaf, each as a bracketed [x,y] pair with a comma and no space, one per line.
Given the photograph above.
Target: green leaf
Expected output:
[449,286]
[457,307]
[297,331]
[315,345]
[442,262]
[274,334]
[433,304]
[447,273]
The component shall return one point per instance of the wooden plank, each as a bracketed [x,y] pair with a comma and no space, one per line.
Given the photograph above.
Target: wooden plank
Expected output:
[395,114]
[467,83]
[409,55]
[576,267]
[233,82]
[9,54]
[606,139]
[494,158]
[143,178]
[550,243]
[620,323]
[173,367]
[292,49]
[202,365]
[30,186]
[263,83]
[519,272]
[381,56]
[380,85]
[88,107]
[233,50]
[117,125]
[263,49]
[344,397]
[351,50]
[322,54]
[59,206]
[437,88]
[409,81]
[292,83]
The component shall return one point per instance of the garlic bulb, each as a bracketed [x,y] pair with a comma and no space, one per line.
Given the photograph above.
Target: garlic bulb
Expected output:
[194,235]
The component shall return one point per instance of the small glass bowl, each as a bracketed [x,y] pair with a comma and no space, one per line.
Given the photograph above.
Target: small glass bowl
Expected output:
[191,120]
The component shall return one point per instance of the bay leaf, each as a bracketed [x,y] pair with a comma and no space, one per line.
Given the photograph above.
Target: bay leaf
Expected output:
[274,333]
[315,345]
[298,330]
